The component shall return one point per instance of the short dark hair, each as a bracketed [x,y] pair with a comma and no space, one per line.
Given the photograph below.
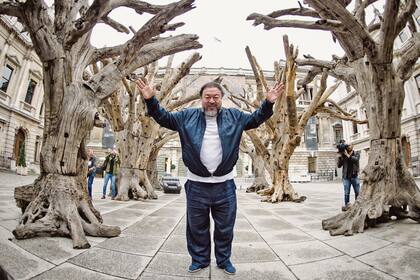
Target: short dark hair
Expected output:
[211,85]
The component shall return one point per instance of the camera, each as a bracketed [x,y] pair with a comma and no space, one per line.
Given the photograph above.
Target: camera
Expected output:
[342,146]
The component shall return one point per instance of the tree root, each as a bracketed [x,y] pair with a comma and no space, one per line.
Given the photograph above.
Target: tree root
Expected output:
[277,193]
[62,208]
[256,187]
[134,184]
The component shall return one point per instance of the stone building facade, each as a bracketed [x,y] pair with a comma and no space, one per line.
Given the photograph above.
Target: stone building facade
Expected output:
[21,96]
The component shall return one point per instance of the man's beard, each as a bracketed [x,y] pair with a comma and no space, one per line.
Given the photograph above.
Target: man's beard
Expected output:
[210,112]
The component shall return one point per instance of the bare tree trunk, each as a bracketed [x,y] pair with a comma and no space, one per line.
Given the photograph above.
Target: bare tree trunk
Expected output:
[134,182]
[152,172]
[387,185]
[282,189]
[260,181]
[62,206]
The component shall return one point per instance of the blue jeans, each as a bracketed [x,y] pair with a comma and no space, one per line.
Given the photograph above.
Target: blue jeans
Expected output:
[90,182]
[354,181]
[220,200]
[109,176]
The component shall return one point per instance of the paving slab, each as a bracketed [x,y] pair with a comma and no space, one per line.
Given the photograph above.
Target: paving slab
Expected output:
[153,226]
[285,236]
[19,263]
[176,244]
[174,264]
[154,276]
[400,232]
[111,262]
[243,224]
[269,224]
[252,271]
[340,268]
[139,245]
[351,245]
[303,252]
[398,260]
[240,236]
[70,271]
[169,211]
[252,252]
[52,249]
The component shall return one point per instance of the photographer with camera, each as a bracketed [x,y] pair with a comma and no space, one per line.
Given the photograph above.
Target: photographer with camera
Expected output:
[349,160]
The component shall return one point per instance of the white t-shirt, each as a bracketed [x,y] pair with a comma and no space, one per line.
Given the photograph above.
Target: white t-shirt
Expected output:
[211,154]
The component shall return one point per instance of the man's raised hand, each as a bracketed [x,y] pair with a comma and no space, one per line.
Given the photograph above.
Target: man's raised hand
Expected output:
[145,89]
[275,92]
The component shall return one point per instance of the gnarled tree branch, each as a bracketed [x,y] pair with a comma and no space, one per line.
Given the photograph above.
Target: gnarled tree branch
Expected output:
[106,80]
[322,24]
[11,8]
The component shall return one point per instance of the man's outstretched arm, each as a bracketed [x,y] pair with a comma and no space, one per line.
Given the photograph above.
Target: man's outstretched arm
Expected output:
[159,114]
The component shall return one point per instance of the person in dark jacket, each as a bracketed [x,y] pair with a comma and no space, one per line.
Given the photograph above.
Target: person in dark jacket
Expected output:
[111,166]
[210,138]
[349,160]
[91,170]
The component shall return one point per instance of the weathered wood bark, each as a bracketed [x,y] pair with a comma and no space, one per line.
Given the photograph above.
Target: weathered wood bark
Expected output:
[370,67]
[62,206]
[139,138]
[258,164]
[260,181]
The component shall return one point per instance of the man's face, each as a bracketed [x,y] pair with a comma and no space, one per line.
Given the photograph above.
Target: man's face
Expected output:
[211,100]
[90,152]
[349,148]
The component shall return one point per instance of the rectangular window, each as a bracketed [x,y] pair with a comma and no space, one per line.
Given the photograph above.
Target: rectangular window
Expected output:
[403,36]
[417,78]
[5,77]
[312,164]
[30,91]
[366,117]
[338,135]
[355,130]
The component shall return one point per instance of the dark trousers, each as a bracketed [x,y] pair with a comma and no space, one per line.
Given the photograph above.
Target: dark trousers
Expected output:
[355,182]
[90,183]
[220,200]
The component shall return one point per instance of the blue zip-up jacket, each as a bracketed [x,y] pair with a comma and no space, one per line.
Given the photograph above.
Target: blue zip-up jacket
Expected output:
[191,125]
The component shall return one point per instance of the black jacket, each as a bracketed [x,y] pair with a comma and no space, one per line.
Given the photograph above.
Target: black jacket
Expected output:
[191,125]
[92,163]
[350,165]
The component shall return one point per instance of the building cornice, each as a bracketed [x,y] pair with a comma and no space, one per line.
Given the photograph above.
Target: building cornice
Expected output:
[26,116]
[9,26]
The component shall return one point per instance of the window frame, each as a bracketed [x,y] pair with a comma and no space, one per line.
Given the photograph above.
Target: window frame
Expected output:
[7,65]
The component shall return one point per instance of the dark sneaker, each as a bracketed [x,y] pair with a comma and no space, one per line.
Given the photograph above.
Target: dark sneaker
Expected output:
[103,197]
[228,268]
[195,268]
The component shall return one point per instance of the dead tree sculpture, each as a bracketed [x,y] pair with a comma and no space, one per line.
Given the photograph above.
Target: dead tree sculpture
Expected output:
[287,125]
[139,137]
[62,42]
[371,68]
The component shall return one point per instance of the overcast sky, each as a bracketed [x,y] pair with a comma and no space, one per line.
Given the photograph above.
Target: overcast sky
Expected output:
[224,32]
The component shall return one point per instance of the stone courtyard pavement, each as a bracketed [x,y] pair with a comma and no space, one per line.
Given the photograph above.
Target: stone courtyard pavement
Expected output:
[272,241]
